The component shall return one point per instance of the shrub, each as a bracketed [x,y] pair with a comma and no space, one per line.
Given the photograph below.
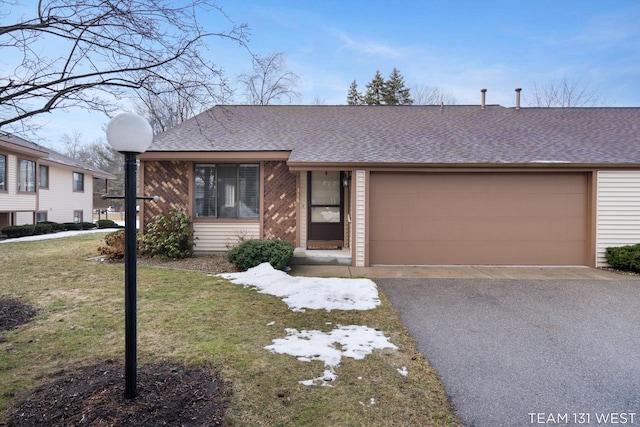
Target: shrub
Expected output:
[55,226]
[114,249]
[87,225]
[106,223]
[251,253]
[14,231]
[42,228]
[625,258]
[70,226]
[169,236]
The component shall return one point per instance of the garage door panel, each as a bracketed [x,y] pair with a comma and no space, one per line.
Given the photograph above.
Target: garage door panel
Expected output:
[479,253]
[491,218]
[497,229]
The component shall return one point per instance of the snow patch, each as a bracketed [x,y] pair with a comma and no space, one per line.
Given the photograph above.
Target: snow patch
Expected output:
[309,292]
[351,341]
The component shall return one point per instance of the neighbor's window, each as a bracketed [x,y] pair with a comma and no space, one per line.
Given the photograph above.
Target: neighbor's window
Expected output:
[26,175]
[41,216]
[77,217]
[78,181]
[3,172]
[44,176]
[227,191]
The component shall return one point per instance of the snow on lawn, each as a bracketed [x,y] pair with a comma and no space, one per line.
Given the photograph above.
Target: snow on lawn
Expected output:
[310,292]
[351,341]
[317,293]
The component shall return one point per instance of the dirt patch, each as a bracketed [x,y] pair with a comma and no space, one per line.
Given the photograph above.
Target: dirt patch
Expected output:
[14,313]
[167,395]
[207,263]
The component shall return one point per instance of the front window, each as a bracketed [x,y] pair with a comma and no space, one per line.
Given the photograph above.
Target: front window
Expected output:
[3,172]
[77,217]
[227,191]
[78,181]
[44,176]
[41,216]
[26,175]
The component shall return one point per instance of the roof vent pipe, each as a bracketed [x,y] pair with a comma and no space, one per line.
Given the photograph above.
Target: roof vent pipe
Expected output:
[518,98]
[483,105]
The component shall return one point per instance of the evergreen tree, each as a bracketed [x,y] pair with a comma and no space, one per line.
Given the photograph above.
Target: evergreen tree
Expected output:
[353,96]
[394,92]
[374,95]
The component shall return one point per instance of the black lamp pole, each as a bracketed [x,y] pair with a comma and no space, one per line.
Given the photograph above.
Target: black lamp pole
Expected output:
[130,135]
[130,273]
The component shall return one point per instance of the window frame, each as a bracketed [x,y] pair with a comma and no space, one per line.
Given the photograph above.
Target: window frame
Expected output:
[81,175]
[228,192]
[29,171]
[45,169]
[78,217]
[3,174]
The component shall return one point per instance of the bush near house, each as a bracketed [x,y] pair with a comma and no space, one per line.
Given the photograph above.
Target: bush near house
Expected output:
[14,231]
[114,249]
[625,258]
[169,236]
[106,223]
[55,226]
[251,253]
[42,228]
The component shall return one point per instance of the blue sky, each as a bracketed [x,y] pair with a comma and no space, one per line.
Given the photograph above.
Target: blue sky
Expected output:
[457,46]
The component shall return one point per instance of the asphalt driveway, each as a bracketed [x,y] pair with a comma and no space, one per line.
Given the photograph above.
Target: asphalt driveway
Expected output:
[529,352]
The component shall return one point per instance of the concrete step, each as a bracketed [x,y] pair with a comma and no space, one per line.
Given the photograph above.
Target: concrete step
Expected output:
[303,256]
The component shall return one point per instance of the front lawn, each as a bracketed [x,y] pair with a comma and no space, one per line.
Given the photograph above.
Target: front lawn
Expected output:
[188,318]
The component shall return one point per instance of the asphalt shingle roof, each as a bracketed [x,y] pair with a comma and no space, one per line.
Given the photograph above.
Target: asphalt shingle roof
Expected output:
[415,134]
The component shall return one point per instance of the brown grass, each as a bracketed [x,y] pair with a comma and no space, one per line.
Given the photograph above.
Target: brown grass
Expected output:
[190,317]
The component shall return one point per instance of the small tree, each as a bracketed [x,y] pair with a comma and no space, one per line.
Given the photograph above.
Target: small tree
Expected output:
[353,96]
[394,91]
[375,90]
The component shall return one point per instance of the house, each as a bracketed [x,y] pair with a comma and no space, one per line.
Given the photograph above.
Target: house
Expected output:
[407,185]
[39,184]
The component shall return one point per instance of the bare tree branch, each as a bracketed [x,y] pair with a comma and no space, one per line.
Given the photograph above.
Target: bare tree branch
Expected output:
[270,82]
[431,95]
[90,53]
[564,92]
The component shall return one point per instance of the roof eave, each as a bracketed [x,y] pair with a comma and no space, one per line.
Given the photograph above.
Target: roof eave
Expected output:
[199,156]
[438,166]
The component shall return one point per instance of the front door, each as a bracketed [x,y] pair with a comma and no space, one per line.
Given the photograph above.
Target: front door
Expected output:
[326,223]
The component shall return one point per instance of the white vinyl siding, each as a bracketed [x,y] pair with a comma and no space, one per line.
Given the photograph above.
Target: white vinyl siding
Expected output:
[11,200]
[60,201]
[618,211]
[220,237]
[359,220]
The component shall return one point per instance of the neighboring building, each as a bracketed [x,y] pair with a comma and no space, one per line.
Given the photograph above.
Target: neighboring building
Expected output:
[39,184]
[411,185]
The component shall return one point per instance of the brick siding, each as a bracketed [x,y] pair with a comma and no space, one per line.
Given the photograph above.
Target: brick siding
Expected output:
[280,204]
[168,180]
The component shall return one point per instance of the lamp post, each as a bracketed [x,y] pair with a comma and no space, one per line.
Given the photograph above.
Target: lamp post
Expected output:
[130,135]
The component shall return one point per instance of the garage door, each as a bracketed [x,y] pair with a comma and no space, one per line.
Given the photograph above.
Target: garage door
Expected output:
[478,218]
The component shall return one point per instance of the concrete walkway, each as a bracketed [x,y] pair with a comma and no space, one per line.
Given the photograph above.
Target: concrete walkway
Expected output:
[458,272]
